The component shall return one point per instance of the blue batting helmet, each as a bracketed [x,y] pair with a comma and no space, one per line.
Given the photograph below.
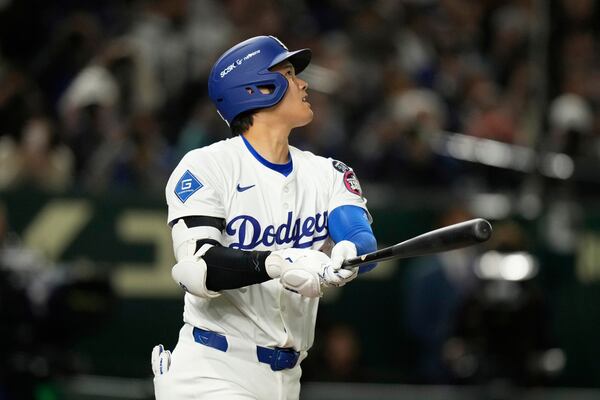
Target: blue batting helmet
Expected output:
[235,79]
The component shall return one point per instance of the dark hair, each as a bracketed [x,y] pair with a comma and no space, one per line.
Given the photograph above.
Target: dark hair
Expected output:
[242,122]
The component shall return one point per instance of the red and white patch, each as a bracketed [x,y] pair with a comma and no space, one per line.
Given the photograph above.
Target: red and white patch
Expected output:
[351,182]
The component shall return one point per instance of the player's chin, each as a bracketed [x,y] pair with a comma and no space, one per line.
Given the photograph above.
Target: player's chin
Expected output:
[302,118]
[308,117]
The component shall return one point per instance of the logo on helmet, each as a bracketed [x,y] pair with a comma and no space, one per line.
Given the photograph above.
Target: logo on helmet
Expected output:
[237,63]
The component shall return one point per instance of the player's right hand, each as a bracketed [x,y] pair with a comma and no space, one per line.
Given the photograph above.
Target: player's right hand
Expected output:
[337,276]
[299,270]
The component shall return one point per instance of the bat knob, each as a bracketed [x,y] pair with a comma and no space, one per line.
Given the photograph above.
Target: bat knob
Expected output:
[482,230]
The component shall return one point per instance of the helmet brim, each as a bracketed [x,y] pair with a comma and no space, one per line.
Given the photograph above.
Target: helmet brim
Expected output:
[299,59]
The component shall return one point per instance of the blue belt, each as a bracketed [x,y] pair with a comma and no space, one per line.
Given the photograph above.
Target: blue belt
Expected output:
[278,358]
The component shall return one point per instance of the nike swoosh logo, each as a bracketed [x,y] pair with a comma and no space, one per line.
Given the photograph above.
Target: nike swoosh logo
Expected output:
[244,188]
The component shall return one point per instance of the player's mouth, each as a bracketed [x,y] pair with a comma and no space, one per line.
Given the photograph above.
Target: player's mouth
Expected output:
[305,100]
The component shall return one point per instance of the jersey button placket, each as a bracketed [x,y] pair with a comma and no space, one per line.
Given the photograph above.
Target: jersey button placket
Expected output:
[286,198]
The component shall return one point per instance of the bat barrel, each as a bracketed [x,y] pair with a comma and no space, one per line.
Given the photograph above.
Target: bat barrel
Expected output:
[451,237]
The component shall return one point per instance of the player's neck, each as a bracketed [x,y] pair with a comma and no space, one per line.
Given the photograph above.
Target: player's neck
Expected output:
[271,143]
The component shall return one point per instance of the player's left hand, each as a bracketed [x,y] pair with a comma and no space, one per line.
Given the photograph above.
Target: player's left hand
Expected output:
[334,275]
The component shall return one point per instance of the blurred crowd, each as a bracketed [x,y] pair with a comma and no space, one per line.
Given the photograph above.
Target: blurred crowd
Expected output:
[108,95]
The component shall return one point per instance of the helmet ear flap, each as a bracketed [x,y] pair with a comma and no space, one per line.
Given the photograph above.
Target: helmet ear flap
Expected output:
[251,97]
[277,85]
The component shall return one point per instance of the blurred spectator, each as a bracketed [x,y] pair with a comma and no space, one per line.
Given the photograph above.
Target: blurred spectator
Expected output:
[136,158]
[177,42]
[342,355]
[65,50]
[571,124]
[269,19]
[19,99]
[395,144]
[36,160]
[337,358]
[510,24]
[162,36]
[485,115]
[436,287]
[89,113]
[203,127]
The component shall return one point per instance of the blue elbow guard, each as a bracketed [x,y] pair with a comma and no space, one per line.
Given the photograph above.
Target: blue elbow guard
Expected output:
[352,223]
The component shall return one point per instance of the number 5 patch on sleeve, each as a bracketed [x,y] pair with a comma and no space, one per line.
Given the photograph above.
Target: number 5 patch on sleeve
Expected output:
[187,185]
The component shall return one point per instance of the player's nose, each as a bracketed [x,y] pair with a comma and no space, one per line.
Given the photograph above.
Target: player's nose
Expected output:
[302,84]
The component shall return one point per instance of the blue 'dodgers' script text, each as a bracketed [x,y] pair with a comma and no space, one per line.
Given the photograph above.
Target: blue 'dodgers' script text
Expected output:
[302,233]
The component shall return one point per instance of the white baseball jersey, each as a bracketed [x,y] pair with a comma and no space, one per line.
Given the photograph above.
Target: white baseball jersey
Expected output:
[263,210]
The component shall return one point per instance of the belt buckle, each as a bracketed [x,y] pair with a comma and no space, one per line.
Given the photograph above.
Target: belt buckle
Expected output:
[283,359]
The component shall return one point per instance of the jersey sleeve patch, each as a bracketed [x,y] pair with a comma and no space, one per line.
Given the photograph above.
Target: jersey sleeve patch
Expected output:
[187,185]
[351,182]
[340,166]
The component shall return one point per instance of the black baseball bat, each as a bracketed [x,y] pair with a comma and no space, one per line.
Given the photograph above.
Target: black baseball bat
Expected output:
[450,237]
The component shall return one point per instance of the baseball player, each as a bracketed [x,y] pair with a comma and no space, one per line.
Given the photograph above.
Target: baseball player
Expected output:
[252,221]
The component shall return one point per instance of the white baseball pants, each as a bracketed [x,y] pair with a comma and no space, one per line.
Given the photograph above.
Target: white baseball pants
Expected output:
[201,372]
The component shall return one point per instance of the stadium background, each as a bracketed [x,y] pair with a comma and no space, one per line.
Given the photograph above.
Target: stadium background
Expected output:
[445,108]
